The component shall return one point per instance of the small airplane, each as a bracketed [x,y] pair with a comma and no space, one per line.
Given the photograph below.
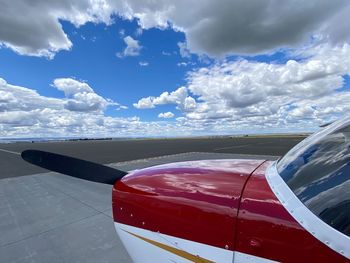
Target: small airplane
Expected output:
[296,209]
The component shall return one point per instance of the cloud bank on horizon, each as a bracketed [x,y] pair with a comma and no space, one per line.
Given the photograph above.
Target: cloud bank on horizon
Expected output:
[244,67]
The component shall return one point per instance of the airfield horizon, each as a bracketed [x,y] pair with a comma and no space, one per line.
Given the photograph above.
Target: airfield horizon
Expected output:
[112,151]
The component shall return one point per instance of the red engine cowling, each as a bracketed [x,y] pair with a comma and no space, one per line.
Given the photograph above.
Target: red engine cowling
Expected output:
[196,200]
[226,204]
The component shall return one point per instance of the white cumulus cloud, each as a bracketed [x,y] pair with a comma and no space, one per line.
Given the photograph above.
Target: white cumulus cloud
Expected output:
[178,97]
[143,63]
[244,27]
[144,103]
[166,115]
[132,48]
[211,27]
[255,95]
[70,86]
[80,96]
[183,49]
[26,113]
[39,32]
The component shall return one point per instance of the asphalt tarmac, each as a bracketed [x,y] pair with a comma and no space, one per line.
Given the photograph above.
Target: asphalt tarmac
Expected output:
[49,217]
[112,151]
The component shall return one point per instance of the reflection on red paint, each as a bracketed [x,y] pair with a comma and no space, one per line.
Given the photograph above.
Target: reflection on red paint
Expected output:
[196,200]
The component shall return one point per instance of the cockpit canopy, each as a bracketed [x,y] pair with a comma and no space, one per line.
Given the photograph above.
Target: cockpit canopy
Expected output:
[317,170]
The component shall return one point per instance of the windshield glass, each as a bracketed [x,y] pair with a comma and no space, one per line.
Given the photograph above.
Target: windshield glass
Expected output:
[317,170]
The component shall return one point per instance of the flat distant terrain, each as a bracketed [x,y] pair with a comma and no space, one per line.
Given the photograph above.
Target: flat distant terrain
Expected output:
[111,151]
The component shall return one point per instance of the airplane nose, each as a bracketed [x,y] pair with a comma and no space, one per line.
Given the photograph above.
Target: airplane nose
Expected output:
[195,201]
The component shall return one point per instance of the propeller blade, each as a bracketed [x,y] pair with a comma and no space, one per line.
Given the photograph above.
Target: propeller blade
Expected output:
[73,167]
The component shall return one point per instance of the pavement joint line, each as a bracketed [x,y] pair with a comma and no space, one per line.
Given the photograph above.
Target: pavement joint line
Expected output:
[153,158]
[107,211]
[7,151]
[233,146]
[49,230]
[76,199]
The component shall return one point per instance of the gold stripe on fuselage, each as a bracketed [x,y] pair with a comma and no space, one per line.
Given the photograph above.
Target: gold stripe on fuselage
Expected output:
[178,252]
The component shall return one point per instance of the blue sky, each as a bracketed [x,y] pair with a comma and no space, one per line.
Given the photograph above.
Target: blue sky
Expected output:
[93,59]
[130,68]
